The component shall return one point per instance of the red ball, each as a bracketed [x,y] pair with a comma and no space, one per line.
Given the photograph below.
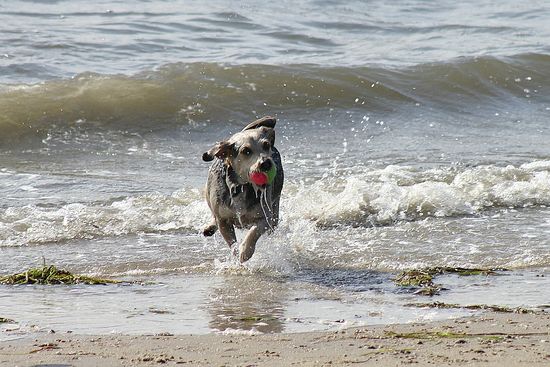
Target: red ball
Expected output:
[259,178]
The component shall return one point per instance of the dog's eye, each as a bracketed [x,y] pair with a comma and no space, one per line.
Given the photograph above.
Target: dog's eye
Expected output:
[266,146]
[246,151]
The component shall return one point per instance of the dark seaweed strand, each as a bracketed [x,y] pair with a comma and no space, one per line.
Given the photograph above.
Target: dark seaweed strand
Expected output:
[51,275]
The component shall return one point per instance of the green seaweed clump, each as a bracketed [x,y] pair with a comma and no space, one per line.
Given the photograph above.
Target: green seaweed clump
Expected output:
[414,278]
[424,278]
[51,275]
[419,278]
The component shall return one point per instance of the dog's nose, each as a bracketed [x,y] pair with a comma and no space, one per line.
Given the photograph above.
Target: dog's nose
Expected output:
[266,165]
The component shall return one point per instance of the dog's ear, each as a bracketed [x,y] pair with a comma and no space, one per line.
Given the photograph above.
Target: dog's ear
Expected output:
[270,135]
[221,150]
[266,121]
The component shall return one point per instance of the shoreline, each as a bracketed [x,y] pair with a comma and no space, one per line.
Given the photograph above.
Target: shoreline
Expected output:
[488,339]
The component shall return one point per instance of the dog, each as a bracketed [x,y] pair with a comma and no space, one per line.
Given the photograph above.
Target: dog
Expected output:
[244,185]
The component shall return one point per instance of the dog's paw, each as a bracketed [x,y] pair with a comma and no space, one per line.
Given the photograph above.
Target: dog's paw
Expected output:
[209,230]
[246,252]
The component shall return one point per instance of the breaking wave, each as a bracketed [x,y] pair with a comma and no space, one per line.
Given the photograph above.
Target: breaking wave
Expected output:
[209,92]
[397,193]
[371,197]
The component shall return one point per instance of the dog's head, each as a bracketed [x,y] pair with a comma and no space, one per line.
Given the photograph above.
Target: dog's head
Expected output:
[248,151]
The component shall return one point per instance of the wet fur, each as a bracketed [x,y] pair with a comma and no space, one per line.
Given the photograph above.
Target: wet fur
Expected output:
[234,201]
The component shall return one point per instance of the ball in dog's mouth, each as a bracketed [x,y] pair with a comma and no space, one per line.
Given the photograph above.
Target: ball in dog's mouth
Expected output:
[260,178]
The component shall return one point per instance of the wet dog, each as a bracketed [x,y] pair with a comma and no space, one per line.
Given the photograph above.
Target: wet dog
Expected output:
[244,185]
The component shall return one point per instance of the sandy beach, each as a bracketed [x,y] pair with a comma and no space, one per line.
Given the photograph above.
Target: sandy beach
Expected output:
[489,339]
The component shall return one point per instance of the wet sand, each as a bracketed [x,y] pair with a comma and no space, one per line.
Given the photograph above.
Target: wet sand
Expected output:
[490,339]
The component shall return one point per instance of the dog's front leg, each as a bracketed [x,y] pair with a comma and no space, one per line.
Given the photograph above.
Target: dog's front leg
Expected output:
[248,246]
[228,232]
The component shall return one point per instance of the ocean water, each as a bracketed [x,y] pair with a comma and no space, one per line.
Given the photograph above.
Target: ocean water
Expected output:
[412,134]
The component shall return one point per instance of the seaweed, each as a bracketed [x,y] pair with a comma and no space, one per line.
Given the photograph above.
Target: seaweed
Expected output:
[4,320]
[424,278]
[52,275]
[414,278]
[494,308]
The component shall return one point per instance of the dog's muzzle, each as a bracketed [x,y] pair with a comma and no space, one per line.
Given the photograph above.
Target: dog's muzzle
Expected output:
[265,175]
[266,165]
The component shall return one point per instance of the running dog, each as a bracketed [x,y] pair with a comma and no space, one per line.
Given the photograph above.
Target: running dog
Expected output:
[244,185]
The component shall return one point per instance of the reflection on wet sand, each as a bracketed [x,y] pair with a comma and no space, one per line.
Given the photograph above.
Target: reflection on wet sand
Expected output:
[248,303]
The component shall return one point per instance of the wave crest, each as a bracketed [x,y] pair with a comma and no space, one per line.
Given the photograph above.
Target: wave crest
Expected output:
[32,224]
[210,92]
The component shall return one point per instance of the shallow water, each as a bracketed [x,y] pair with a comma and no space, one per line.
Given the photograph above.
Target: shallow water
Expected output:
[411,135]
